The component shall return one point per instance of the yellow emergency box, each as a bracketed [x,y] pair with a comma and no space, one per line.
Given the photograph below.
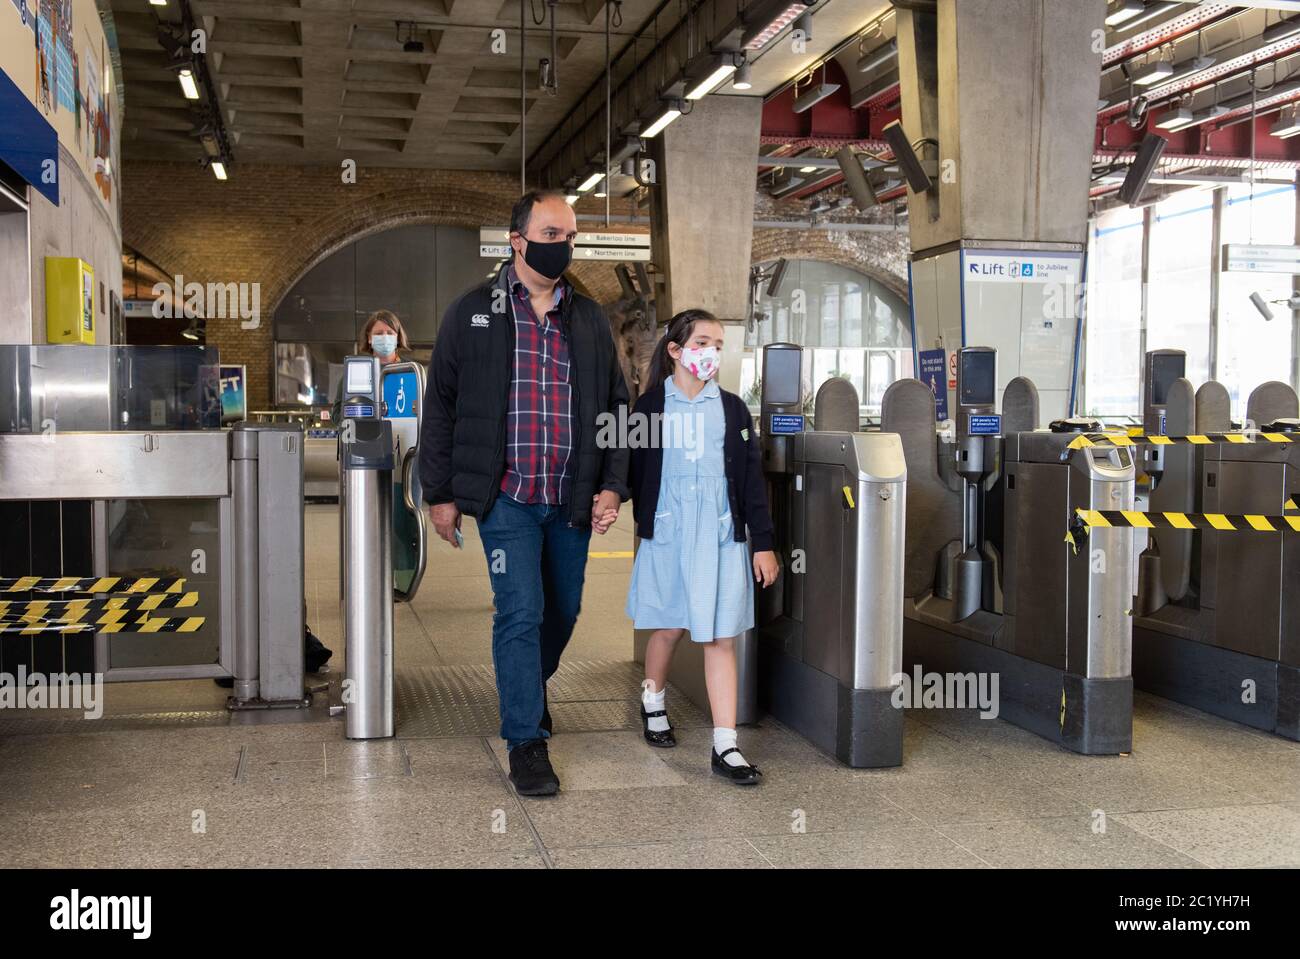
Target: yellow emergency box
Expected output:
[69,300]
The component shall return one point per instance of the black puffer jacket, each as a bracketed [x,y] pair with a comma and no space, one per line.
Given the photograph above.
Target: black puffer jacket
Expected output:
[463,439]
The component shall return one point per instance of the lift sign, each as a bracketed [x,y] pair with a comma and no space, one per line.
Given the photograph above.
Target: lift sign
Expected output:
[786,423]
[985,425]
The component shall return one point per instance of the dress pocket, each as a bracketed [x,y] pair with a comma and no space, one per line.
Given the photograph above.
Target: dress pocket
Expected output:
[726,530]
[665,527]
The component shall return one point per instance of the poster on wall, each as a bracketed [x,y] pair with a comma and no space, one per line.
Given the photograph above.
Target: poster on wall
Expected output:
[234,394]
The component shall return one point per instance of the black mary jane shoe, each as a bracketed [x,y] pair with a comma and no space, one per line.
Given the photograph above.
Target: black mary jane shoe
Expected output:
[664,739]
[740,775]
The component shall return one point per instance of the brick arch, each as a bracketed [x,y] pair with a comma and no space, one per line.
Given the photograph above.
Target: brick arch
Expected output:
[881,257]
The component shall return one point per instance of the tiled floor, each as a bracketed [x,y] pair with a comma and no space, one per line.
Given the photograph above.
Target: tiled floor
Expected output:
[198,787]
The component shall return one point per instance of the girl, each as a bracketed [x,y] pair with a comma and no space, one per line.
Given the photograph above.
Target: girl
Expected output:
[696,488]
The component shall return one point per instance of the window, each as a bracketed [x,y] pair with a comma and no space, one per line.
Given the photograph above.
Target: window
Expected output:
[1113,368]
[850,326]
[1178,298]
[1253,350]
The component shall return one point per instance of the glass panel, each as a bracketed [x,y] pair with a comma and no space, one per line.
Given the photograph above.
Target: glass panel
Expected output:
[1178,300]
[77,388]
[1253,350]
[1114,314]
[161,538]
[847,315]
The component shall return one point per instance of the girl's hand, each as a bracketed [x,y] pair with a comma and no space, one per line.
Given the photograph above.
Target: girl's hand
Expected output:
[765,568]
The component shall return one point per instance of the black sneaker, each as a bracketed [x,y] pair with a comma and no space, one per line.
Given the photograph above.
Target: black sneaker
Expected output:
[531,770]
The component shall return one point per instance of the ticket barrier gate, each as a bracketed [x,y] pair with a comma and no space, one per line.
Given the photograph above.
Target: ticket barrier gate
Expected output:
[198,542]
[830,630]
[995,582]
[1218,624]
[382,531]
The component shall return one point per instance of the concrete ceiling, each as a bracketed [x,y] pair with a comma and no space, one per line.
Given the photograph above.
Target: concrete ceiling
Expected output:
[321,81]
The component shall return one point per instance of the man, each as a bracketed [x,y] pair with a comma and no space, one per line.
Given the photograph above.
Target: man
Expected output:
[522,367]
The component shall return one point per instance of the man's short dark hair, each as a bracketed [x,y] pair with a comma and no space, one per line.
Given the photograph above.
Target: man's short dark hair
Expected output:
[523,209]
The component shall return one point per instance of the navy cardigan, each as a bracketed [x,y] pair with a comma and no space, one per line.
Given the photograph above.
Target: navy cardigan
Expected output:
[746,486]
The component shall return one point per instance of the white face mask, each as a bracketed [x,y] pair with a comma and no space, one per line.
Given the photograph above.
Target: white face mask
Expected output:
[384,344]
[703,362]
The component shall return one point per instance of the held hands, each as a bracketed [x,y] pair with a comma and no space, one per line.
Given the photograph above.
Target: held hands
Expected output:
[446,520]
[604,510]
[765,568]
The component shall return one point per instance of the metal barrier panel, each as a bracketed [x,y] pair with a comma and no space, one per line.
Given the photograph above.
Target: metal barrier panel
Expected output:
[281,614]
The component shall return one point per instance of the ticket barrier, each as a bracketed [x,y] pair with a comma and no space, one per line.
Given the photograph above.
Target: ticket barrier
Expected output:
[1218,624]
[1000,581]
[382,531]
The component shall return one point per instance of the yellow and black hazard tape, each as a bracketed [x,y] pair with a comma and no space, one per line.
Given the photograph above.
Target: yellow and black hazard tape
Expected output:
[145,624]
[1219,522]
[92,584]
[1085,440]
[63,608]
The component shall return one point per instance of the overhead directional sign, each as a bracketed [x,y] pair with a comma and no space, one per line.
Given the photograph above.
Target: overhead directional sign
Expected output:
[494,243]
[1256,258]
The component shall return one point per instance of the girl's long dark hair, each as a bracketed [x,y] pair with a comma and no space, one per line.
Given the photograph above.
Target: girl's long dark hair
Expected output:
[679,331]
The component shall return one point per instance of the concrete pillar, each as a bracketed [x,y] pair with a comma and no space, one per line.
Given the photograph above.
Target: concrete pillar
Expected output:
[1000,97]
[702,216]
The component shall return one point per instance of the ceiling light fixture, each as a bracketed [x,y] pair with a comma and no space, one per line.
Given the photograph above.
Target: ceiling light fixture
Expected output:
[813,95]
[1125,10]
[878,57]
[766,28]
[1282,30]
[741,80]
[590,182]
[219,170]
[1285,127]
[1158,72]
[718,70]
[188,86]
[670,112]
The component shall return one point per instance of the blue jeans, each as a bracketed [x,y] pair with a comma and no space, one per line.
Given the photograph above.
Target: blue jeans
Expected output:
[537,563]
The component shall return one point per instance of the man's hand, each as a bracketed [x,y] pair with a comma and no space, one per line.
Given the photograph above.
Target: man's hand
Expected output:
[765,568]
[446,520]
[604,510]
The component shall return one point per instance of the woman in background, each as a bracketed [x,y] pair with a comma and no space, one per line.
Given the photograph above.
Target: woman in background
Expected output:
[382,336]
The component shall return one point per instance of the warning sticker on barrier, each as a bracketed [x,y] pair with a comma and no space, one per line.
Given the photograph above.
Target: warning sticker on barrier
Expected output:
[1203,439]
[1219,522]
[91,584]
[48,608]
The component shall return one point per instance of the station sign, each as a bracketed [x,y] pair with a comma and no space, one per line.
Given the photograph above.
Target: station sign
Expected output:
[1259,258]
[494,243]
[1019,267]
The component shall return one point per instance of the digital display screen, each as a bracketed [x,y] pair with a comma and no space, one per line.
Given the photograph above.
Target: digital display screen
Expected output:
[978,378]
[781,369]
[1165,369]
[360,378]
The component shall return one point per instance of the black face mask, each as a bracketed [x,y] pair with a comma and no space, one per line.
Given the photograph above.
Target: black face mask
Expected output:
[548,259]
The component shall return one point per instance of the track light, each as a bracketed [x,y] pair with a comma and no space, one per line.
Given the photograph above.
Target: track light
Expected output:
[1285,127]
[1158,72]
[218,169]
[188,86]
[741,80]
[670,112]
[1176,119]
[1125,10]
[813,95]
[878,57]
[715,70]
[591,181]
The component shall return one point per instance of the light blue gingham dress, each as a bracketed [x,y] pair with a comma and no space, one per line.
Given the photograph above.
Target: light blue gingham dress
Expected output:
[693,574]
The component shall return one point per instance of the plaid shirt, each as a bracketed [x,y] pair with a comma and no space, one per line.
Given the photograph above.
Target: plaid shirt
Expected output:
[539,419]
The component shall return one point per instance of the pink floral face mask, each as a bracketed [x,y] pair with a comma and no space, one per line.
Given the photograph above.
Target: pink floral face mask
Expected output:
[703,363]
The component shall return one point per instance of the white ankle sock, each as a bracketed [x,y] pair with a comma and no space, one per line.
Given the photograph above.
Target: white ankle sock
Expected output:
[653,702]
[724,739]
